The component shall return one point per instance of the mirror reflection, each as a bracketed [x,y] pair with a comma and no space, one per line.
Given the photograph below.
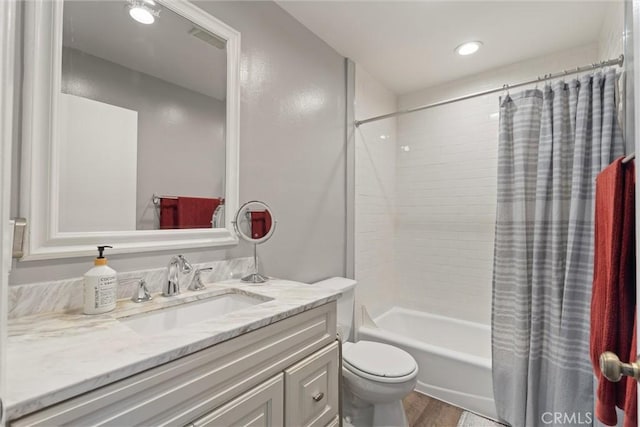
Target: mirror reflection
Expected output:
[254,221]
[142,119]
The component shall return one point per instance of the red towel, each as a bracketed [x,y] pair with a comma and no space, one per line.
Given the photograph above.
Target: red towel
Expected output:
[260,224]
[195,212]
[628,290]
[168,213]
[613,293]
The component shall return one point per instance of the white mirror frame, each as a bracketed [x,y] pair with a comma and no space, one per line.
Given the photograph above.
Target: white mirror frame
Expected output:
[40,138]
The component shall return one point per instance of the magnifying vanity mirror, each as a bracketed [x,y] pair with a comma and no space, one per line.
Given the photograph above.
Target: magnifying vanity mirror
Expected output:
[254,222]
[131,125]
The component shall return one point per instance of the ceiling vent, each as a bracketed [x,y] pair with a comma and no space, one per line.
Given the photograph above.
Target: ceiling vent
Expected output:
[207,37]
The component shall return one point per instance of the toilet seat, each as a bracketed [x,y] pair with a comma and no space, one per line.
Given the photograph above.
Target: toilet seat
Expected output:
[378,362]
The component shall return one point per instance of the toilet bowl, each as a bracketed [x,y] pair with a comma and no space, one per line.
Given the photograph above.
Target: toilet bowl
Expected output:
[376,376]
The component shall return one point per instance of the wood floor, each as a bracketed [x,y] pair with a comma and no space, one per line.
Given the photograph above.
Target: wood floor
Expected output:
[425,411]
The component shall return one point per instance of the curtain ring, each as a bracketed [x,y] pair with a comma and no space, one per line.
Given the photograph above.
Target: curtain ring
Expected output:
[505,87]
[545,78]
[538,80]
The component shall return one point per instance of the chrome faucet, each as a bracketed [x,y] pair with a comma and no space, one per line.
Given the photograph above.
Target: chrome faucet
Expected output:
[178,266]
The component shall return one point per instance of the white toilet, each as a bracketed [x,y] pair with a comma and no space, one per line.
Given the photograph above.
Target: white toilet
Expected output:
[375,376]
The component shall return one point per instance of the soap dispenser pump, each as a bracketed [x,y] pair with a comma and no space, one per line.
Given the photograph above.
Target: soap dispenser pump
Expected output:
[100,286]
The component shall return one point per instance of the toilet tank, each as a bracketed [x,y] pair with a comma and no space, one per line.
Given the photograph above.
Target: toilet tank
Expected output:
[346,302]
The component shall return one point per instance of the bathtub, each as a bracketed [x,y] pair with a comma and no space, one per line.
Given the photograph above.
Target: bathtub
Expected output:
[454,356]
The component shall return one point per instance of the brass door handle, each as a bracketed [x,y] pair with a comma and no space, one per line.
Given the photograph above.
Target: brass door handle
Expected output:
[613,369]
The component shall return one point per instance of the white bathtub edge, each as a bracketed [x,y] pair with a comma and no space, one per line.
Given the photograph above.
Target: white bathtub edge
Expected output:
[396,309]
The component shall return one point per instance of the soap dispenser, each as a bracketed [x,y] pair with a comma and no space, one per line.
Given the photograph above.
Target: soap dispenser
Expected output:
[100,286]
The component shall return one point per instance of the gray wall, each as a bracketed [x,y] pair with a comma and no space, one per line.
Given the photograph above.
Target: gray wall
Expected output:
[292,151]
[181,148]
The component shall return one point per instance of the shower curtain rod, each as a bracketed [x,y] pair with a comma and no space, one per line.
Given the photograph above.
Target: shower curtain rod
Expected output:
[617,61]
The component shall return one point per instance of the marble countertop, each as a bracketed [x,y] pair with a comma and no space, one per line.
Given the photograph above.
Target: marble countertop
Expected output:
[54,356]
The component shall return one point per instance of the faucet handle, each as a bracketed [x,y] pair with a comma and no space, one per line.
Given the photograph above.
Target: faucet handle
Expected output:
[141,293]
[185,266]
[196,283]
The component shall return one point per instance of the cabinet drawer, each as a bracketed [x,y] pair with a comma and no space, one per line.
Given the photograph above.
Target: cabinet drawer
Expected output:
[183,390]
[262,406]
[311,389]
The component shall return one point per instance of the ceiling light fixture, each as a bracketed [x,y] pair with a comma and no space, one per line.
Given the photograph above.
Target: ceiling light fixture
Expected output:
[142,15]
[468,48]
[142,12]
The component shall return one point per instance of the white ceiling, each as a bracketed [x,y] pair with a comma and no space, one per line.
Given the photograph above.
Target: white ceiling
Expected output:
[410,45]
[164,49]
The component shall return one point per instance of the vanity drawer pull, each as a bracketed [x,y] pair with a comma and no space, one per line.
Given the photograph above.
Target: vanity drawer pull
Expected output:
[318,397]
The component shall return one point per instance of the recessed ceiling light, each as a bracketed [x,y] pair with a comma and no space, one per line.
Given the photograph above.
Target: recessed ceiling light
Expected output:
[468,48]
[142,15]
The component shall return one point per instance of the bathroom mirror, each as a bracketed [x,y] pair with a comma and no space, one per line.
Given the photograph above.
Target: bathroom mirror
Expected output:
[131,117]
[255,223]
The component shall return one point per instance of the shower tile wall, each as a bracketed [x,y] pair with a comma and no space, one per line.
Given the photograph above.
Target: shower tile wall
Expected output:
[446,190]
[375,195]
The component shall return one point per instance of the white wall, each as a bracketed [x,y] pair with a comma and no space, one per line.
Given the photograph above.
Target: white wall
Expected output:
[611,35]
[375,183]
[98,164]
[446,190]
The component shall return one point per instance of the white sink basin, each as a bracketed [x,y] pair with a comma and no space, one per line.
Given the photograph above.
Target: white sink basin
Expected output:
[162,320]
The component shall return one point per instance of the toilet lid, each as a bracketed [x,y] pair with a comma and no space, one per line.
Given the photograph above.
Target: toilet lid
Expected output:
[382,360]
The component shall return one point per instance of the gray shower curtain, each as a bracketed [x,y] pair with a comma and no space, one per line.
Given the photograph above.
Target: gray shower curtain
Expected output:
[552,144]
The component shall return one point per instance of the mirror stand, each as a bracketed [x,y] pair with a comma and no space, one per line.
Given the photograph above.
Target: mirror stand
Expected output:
[254,223]
[255,277]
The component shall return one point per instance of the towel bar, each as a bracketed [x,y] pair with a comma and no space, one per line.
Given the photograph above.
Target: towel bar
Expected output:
[156,199]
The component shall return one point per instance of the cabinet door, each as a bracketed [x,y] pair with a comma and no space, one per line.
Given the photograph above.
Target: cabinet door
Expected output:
[261,406]
[335,422]
[311,389]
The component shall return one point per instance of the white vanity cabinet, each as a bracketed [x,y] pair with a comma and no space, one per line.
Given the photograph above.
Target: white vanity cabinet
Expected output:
[310,389]
[285,373]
